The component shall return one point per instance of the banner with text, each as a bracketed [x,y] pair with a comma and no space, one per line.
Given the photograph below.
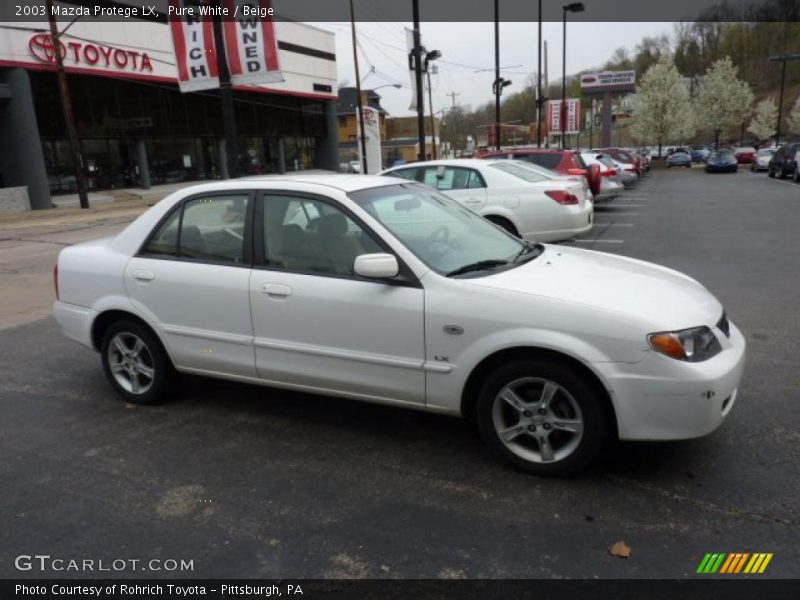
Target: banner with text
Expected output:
[372,139]
[571,116]
[195,53]
[250,43]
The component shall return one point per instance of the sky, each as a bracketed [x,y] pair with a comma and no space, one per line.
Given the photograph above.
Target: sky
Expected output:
[469,47]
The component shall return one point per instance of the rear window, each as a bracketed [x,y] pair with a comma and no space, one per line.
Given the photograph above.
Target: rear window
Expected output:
[549,161]
[519,171]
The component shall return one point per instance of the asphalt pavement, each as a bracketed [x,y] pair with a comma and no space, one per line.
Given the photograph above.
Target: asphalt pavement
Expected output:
[254,482]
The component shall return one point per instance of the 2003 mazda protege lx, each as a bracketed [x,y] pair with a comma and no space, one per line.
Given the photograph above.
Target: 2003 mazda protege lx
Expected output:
[384,290]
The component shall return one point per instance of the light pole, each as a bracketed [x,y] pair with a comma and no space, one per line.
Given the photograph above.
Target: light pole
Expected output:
[416,57]
[499,82]
[562,121]
[783,59]
[429,58]
[539,99]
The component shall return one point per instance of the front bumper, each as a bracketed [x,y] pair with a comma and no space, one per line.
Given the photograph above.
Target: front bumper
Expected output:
[660,398]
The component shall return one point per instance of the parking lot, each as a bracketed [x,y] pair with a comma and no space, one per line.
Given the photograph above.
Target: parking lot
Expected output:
[254,482]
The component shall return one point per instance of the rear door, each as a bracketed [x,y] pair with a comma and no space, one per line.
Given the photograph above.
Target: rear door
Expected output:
[191,278]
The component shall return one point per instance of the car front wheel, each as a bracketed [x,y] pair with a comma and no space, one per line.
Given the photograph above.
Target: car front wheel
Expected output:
[135,362]
[543,417]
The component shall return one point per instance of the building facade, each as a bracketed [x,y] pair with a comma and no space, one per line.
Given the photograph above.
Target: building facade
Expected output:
[129,111]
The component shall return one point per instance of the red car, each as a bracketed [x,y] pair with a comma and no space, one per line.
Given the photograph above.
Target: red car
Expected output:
[564,162]
[745,155]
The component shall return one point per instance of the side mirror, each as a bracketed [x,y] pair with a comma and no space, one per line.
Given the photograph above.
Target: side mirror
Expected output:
[376,266]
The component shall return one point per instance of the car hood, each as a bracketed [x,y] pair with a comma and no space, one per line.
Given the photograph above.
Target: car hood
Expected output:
[662,297]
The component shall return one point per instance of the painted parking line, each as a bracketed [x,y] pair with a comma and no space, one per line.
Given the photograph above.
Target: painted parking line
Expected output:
[775,179]
[599,241]
[616,214]
[612,224]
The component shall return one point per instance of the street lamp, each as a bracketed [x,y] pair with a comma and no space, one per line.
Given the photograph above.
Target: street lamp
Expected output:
[394,85]
[499,83]
[783,58]
[573,7]
[429,58]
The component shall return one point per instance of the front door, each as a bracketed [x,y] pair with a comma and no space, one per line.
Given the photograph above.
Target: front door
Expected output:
[316,324]
[192,279]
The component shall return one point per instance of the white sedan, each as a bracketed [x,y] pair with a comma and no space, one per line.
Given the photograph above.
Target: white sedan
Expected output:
[387,291]
[528,201]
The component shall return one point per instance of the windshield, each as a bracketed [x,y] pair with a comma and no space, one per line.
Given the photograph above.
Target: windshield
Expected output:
[439,231]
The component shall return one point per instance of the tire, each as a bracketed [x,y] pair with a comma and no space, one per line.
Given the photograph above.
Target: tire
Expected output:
[781,173]
[504,224]
[140,376]
[770,172]
[796,176]
[574,403]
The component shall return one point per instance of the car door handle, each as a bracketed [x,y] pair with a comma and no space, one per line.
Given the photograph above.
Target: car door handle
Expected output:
[142,275]
[276,290]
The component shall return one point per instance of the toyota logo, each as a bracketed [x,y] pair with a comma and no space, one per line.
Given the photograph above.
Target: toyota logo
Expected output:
[41,47]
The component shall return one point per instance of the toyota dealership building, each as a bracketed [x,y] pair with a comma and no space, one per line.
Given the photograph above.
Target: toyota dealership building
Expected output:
[128,109]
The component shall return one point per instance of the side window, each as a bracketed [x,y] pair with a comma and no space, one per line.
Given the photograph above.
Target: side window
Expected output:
[311,236]
[475,180]
[453,179]
[213,228]
[165,240]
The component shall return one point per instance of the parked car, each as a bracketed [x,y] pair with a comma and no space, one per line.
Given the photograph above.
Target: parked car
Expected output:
[629,162]
[611,185]
[387,291]
[627,173]
[566,162]
[745,154]
[782,162]
[761,161]
[699,153]
[355,166]
[679,159]
[516,196]
[722,161]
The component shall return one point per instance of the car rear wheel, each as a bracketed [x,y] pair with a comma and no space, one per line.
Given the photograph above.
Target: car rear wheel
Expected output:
[543,417]
[770,172]
[505,224]
[135,362]
[797,174]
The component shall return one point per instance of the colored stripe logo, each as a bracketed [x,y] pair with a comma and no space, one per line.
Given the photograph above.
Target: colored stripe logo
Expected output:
[734,562]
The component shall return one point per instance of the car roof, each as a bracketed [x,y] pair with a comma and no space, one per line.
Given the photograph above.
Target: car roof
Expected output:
[451,162]
[489,153]
[340,181]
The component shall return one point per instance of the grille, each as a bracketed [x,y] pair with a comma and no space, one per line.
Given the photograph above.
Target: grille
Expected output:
[723,325]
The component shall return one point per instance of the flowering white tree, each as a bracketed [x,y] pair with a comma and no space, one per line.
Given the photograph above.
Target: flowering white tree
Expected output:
[765,119]
[724,99]
[662,108]
[794,117]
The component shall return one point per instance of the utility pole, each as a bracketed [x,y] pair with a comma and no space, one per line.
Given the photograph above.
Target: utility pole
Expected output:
[226,98]
[359,102]
[417,53]
[497,88]
[453,123]
[66,105]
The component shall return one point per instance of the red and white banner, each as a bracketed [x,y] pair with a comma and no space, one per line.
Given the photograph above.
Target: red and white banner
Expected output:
[195,52]
[250,43]
[572,116]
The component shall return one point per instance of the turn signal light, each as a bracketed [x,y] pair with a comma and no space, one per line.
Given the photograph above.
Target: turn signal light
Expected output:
[563,197]
[669,344]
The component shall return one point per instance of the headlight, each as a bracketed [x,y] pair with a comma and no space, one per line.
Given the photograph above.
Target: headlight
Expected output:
[692,345]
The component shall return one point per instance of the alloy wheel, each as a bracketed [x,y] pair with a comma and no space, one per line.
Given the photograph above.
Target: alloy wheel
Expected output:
[131,363]
[537,419]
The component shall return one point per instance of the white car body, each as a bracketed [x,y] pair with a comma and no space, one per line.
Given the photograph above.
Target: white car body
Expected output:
[377,341]
[761,160]
[796,174]
[525,205]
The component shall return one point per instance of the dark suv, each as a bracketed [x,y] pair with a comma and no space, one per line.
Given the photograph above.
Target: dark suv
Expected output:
[782,161]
